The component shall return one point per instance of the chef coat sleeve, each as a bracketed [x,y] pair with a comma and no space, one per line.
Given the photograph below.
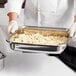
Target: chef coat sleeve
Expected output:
[75,7]
[14,6]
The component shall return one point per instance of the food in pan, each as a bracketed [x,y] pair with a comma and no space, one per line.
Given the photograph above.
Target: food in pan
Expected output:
[40,37]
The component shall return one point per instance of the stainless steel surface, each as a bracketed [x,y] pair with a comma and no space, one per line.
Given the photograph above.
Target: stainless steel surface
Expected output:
[46,28]
[2,56]
[38,49]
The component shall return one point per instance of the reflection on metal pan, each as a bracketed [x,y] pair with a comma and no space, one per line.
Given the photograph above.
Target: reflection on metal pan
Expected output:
[53,49]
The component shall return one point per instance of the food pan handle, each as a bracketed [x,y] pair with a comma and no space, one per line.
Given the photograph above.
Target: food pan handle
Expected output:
[32,49]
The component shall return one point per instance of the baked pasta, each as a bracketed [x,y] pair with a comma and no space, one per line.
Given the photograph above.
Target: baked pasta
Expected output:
[40,37]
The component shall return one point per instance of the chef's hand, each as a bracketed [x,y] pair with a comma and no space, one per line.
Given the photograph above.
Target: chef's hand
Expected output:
[73,30]
[12,27]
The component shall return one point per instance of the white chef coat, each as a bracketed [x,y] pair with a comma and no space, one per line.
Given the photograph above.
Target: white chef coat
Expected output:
[31,18]
[56,13]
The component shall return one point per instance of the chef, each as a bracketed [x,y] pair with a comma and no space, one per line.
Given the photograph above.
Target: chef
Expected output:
[43,13]
[57,13]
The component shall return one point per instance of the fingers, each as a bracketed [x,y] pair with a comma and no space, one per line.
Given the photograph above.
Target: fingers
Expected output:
[72,30]
[72,33]
[75,35]
[12,27]
[9,29]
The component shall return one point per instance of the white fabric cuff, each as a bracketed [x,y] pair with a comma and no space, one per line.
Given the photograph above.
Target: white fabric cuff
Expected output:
[14,6]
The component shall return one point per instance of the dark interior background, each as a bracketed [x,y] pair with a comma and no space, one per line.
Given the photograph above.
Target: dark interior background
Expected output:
[2,3]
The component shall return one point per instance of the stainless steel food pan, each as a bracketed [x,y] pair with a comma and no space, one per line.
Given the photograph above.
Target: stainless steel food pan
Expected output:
[49,49]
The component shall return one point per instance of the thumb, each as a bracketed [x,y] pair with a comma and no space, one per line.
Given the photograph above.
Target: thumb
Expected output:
[14,28]
[71,33]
